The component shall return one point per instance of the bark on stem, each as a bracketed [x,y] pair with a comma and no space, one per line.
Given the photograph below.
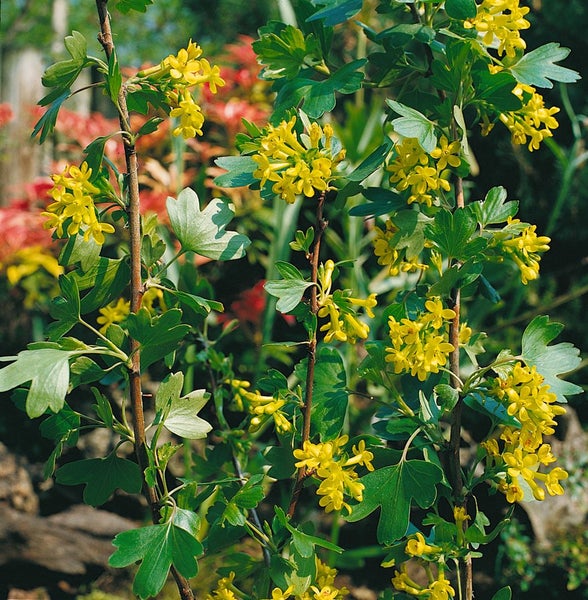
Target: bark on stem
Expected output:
[136,286]
[455,473]
[320,227]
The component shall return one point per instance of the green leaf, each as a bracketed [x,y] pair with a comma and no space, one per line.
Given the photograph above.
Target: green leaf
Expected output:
[239,171]
[337,11]
[82,252]
[248,496]
[550,361]
[182,418]
[288,291]
[101,476]
[451,232]
[64,73]
[126,6]
[504,593]
[394,489]
[204,231]
[65,309]
[48,371]
[330,398]
[371,163]
[493,209]
[106,280]
[46,124]
[461,9]
[157,335]
[321,95]
[113,78]
[413,124]
[199,305]
[538,68]
[495,89]
[157,547]
[486,405]
[284,50]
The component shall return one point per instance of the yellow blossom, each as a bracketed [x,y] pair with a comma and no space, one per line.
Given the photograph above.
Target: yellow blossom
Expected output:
[115,312]
[417,546]
[27,261]
[388,254]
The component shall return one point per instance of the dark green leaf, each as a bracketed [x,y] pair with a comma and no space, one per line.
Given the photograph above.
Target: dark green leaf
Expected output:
[203,232]
[158,335]
[106,280]
[494,208]
[82,252]
[199,305]
[337,11]
[46,124]
[451,232]
[62,426]
[126,6]
[504,593]
[371,163]
[486,405]
[157,547]
[461,9]
[65,309]
[381,202]
[393,489]
[496,89]
[113,78]
[150,126]
[102,476]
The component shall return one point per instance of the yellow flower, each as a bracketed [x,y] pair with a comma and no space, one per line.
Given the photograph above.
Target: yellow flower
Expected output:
[441,589]
[447,153]
[27,261]
[189,114]
[297,164]
[115,312]
[417,546]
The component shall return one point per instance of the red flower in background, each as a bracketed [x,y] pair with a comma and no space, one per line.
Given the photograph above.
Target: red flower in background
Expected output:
[6,114]
[250,304]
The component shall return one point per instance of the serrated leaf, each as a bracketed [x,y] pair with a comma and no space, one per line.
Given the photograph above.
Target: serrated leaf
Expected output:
[203,232]
[494,208]
[248,496]
[157,335]
[157,547]
[330,397]
[538,68]
[101,476]
[46,124]
[451,232]
[394,489]
[496,89]
[551,361]
[48,371]
[65,309]
[285,49]
[413,124]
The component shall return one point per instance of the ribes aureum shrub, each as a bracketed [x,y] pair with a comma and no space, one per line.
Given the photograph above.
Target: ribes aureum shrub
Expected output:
[292,441]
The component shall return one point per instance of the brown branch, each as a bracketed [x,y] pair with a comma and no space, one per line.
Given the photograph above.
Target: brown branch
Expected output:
[136,286]
[321,225]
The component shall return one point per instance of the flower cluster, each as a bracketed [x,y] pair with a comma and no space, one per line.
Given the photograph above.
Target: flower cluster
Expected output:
[73,207]
[324,587]
[296,163]
[534,121]
[262,408]
[523,247]
[329,462]
[421,346]
[178,73]
[424,175]
[225,589]
[439,587]
[499,22]
[340,308]
[521,451]
[397,260]
[118,310]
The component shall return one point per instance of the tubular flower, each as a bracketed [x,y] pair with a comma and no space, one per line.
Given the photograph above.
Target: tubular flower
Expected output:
[261,408]
[417,546]
[296,164]
[388,254]
[330,463]
[188,113]
[499,22]
[339,308]
[421,346]
[421,173]
[74,206]
[533,122]
[225,590]
[438,589]
[520,242]
[521,451]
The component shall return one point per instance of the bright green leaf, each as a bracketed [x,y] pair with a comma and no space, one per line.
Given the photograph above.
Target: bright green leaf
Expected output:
[494,208]
[204,231]
[538,68]
[239,171]
[126,6]
[288,291]
[553,360]
[106,280]
[183,419]
[413,124]
[102,477]
[46,124]
[394,489]
[65,309]
[48,371]
[451,232]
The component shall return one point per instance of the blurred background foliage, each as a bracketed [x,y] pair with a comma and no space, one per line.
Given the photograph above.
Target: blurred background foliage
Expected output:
[551,185]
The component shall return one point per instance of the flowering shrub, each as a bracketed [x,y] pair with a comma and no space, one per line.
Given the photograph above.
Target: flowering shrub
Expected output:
[148,310]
